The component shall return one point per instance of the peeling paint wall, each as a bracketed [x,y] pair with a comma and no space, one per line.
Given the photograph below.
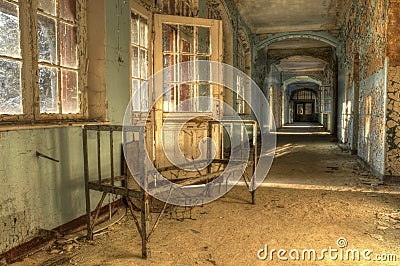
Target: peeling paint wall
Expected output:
[364,33]
[37,193]
[273,91]
[393,91]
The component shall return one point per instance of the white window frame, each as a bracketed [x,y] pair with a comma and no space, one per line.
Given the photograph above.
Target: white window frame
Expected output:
[142,14]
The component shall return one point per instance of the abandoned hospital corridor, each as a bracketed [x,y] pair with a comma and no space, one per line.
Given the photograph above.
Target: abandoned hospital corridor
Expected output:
[199,132]
[314,194]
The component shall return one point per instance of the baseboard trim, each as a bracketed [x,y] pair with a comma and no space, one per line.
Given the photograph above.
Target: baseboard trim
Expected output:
[18,253]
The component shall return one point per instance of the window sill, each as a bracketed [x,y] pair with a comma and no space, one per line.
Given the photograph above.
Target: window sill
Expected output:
[47,125]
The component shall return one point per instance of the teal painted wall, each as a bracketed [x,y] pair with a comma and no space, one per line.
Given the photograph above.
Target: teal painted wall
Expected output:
[38,193]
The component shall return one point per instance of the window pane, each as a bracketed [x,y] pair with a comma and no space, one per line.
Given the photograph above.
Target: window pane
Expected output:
[143,64]
[47,39]
[135,62]
[145,96]
[68,45]
[134,28]
[203,40]
[168,72]
[204,91]
[187,39]
[169,97]
[67,9]
[135,95]
[47,6]
[9,30]
[69,85]
[48,89]
[143,31]
[185,94]
[10,87]
[169,38]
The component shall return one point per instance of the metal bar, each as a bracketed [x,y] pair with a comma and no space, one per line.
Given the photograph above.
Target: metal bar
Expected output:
[209,138]
[144,197]
[97,210]
[98,155]
[125,166]
[112,157]
[115,190]
[86,176]
[39,154]
[113,128]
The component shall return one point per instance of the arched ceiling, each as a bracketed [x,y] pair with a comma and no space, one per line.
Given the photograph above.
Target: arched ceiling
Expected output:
[301,65]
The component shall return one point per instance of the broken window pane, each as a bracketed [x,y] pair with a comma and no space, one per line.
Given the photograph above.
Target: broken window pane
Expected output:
[48,89]
[169,38]
[134,28]
[69,85]
[10,87]
[9,30]
[47,6]
[68,45]
[67,9]
[187,39]
[47,39]
[203,40]
[185,93]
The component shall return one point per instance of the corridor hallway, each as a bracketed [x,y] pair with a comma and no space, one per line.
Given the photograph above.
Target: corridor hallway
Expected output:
[308,156]
[314,195]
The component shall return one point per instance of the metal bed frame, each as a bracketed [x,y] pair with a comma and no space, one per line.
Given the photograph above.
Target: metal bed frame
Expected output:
[119,184]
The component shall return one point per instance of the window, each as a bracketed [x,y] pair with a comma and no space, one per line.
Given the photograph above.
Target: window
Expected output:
[40,77]
[57,56]
[180,44]
[10,59]
[139,55]
[242,87]
[326,99]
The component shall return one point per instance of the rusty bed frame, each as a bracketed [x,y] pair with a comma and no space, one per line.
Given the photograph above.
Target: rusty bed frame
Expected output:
[118,184]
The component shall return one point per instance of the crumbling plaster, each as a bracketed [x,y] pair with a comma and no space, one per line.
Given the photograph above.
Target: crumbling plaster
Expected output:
[364,33]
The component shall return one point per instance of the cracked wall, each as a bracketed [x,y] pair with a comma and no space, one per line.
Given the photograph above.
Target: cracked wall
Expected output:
[40,194]
[393,91]
[363,33]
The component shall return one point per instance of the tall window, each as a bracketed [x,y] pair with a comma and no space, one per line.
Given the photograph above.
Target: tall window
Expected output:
[10,59]
[139,54]
[57,53]
[39,60]
[243,88]
[183,44]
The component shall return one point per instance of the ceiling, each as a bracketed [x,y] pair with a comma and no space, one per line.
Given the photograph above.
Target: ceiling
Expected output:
[272,16]
[301,65]
[295,56]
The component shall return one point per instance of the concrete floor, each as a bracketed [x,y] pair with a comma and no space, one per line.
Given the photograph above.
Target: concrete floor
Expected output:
[313,195]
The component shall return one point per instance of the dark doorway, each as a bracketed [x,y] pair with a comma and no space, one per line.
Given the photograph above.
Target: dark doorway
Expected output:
[304,105]
[304,112]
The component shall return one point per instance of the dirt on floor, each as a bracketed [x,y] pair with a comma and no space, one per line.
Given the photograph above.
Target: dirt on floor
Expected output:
[316,198]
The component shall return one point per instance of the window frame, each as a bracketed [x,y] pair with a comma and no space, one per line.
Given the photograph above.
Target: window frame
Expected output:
[244,65]
[215,27]
[28,23]
[142,12]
